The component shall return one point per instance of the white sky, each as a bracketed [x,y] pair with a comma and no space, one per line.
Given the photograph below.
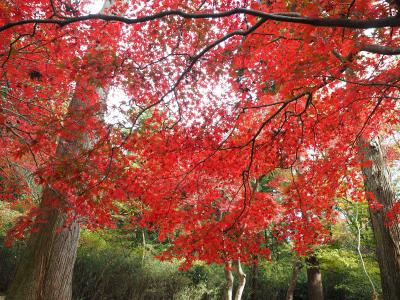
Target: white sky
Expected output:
[94,6]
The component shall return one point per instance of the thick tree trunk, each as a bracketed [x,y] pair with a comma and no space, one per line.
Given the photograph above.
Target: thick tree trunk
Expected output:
[229,281]
[293,280]
[45,270]
[242,279]
[378,181]
[314,279]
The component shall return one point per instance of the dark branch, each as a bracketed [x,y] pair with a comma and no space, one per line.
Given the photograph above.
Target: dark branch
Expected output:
[280,17]
[378,49]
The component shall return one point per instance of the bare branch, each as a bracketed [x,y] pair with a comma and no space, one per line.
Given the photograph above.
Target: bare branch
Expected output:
[288,17]
[378,49]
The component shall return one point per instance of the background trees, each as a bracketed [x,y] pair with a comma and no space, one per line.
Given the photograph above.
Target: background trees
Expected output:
[112,262]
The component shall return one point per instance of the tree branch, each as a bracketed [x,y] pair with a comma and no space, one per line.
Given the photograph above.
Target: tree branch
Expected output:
[378,49]
[280,17]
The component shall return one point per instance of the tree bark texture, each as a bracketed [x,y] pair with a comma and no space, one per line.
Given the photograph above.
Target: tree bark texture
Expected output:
[254,281]
[314,279]
[293,280]
[46,267]
[45,270]
[229,281]
[377,181]
[242,279]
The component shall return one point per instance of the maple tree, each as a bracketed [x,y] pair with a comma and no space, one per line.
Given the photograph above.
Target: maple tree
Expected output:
[217,96]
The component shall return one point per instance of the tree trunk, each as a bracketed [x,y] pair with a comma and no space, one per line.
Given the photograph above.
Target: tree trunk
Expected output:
[242,279]
[378,182]
[314,279]
[293,280]
[45,270]
[254,281]
[229,281]
[144,246]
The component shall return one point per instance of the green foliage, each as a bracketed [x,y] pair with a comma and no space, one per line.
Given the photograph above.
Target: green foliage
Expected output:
[262,184]
[274,278]
[355,217]
[7,217]
[113,264]
[193,292]
[113,272]
[343,276]
[106,267]
[198,273]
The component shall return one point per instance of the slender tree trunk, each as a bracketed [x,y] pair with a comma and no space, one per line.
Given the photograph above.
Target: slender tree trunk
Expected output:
[229,281]
[144,246]
[314,279]
[242,279]
[293,280]
[378,182]
[254,281]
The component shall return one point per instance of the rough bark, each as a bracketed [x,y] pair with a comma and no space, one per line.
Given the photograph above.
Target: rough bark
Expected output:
[46,267]
[254,281]
[378,182]
[229,281]
[45,271]
[314,279]
[293,280]
[242,279]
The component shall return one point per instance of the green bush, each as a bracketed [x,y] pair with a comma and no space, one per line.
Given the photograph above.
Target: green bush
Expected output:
[107,270]
[344,277]
[273,280]
[111,265]
[8,256]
